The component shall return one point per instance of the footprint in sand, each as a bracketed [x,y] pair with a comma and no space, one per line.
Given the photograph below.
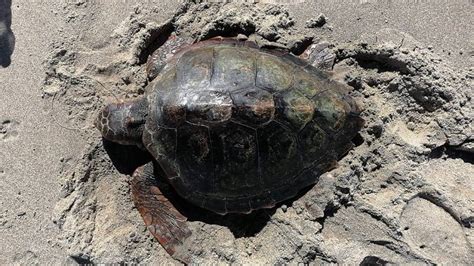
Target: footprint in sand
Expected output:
[25,258]
[8,129]
[434,234]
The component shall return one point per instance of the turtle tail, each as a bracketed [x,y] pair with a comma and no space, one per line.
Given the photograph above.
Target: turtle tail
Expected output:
[123,122]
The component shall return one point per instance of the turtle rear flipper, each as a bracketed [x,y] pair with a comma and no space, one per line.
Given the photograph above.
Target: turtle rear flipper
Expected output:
[163,220]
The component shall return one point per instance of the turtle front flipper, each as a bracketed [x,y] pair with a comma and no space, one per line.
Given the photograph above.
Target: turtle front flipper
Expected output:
[163,220]
[123,122]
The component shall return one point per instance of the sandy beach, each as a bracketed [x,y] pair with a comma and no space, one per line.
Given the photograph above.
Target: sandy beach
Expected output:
[404,194]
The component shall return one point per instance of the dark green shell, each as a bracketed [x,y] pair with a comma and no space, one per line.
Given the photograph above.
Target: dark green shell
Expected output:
[237,128]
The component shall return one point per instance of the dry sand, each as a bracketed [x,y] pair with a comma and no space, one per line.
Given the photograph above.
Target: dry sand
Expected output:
[405,194]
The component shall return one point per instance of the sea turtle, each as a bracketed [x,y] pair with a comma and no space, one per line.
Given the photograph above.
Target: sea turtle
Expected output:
[234,128]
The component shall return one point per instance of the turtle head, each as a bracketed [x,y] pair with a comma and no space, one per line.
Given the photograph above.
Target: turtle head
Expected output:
[123,122]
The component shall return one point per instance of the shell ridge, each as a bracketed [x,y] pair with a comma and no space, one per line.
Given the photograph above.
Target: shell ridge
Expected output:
[211,147]
[255,61]
[213,63]
[259,163]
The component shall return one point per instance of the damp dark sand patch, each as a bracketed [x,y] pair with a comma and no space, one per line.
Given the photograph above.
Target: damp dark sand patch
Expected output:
[418,112]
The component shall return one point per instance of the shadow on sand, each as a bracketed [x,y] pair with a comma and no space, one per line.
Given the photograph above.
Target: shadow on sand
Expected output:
[7,39]
[127,158]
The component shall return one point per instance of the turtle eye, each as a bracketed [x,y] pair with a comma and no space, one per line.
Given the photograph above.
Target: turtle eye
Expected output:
[250,94]
[135,123]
